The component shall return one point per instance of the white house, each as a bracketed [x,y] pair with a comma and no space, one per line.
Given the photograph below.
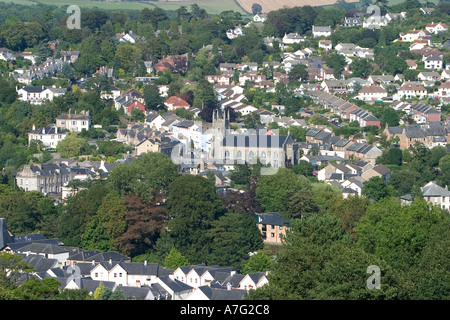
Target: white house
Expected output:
[371,93]
[412,89]
[294,37]
[253,281]
[37,95]
[319,31]
[433,62]
[49,136]
[436,27]
[327,45]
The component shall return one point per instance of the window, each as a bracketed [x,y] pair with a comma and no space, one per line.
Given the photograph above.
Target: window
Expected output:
[96,275]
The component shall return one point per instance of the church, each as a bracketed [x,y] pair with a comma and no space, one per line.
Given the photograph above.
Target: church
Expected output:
[228,148]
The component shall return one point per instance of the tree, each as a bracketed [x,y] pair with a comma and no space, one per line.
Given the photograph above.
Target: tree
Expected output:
[274,191]
[104,229]
[256,8]
[298,72]
[175,259]
[71,145]
[337,62]
[395,156]
[144,224]
[233,236]
[240,174]
[258,262]
[319,261]
[376,188]
[193,205]
[149,173]
[301,204]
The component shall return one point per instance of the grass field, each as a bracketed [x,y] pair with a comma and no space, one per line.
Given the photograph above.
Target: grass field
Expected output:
[211,6]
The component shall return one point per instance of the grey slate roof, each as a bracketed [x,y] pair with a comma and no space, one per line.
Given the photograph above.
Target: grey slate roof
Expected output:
[272,218]
[222,294]
[433,190]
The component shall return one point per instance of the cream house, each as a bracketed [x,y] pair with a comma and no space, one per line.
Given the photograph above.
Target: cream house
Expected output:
[436,195]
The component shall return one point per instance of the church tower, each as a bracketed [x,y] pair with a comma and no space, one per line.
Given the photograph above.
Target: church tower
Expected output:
[220,124]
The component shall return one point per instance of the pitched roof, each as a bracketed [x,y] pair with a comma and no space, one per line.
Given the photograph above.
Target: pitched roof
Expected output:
[433,190]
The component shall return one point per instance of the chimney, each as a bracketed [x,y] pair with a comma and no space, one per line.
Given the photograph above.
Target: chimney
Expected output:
[93,262]
[110,261]
[145,263]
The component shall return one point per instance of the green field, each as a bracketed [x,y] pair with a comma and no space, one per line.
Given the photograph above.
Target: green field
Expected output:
[211,6]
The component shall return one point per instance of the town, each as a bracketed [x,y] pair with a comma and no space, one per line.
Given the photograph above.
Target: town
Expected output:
[181,155]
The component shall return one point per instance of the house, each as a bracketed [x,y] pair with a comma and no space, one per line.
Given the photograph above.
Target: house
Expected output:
[436,195]
[111,93]
[147,145]
[134,105]
[327,45]
[253,281]
[272,226]
[260,17]
[436,27]
[70,56]
[352,21]
[222,79]
[214,293]
[74,121]
[6,54]
[321,31]
[235,32]
[424,113]
[411,89]
[378,170]
[47,179]
[127,273]
[38,95]
[433,62]
[444,90]
[413,35]
[49,136]
[293,37]
[176,290]
[371,93]
[129,37]
[173,103]
[429,76]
